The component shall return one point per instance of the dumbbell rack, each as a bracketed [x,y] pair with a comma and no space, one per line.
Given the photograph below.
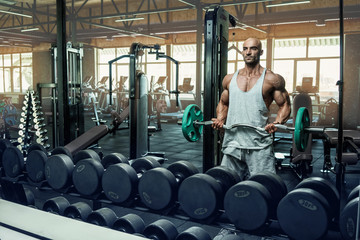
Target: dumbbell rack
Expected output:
[31,126]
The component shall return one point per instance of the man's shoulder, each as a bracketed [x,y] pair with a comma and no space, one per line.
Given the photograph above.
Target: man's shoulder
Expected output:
[271,76]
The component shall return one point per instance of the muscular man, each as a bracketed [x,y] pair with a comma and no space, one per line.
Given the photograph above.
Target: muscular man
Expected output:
[246,98]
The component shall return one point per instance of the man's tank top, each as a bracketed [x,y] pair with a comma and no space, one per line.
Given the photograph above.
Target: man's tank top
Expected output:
[246,108]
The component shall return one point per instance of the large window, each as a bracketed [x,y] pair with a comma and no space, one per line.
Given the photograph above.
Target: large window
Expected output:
[15,72]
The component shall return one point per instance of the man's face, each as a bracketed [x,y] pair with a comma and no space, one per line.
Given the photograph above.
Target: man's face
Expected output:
[252,52]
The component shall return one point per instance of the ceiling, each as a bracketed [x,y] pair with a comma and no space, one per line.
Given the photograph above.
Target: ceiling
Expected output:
[89,19]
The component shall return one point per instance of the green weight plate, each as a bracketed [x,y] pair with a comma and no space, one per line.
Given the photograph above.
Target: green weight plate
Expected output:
[300,135]
[192,132]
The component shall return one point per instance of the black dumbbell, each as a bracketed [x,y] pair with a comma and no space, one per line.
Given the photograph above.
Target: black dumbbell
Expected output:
[158,187]
[35,162]
[87,173]
[130,223]
[120,181]
[250,204]
[161,229]
[13,162]
[78,210]
[306,212]
[194,233]
[202,195]
[349,220]
[56,205]
[4,144]
[59,167]
[105,217]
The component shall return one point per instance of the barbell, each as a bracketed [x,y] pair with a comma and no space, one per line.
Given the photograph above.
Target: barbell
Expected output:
[192,124]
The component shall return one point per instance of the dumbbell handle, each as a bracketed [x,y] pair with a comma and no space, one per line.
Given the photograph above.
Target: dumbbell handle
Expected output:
[279,126]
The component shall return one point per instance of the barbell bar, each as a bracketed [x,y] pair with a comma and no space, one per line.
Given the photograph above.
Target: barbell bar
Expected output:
[192,124]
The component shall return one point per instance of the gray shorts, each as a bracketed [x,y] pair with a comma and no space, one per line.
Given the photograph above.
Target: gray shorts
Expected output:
[249,162]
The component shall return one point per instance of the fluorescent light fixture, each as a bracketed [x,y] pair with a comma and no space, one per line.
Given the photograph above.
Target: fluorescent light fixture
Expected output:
[129,19]
[320,23]
[287,3]
[17,14]
[10,2]
[29,29]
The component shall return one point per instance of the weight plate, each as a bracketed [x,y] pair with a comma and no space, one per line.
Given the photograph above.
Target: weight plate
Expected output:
[182,169]
[13,162]
[194,233]
[87,153]
[130,223]
[87,176]
[354,193]
[36,146]
[157,188]
[30,198]
[58,171]
[225,176]
[102,217]
[161,229]
[79,211]
[61,150]
[276,187]
[144,163]
[191,131]
[35,165]
[4,144]
[113,158]
[56,205]
[348,220]
[200,196]
[304,214]
[119,182]
[301,136]
[326,189]
[247,205]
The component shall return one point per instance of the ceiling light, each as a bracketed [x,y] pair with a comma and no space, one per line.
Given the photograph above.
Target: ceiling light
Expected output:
[287,3]
[29,29]
[129,19]
[320,23]
[17,14]
[10,2]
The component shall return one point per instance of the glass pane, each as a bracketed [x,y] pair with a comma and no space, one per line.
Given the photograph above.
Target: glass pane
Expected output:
[107,54]
[104,72]
[156,71]
[27,76]
[7,78]
[186,70]
[305,69]
[329,75]
[26,59]
[231,67]
[286,69]
[184,52]
[16,59]
[151,57]
[1,60]
[324,47]
[16,80]
[123,71]
[290,48]
[7,60]
[1,80]
[122,51]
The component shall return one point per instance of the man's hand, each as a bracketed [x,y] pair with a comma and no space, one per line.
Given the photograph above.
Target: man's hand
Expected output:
[217,124]
[271,128]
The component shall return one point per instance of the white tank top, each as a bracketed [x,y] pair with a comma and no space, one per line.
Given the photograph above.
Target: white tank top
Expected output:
[247,108]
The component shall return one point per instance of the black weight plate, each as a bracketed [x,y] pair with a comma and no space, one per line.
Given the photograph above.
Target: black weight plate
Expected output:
[182,169]
[227,177]
[325,188]
[130,223]
[79,211]
[354,193]
[13,162]
[194,233]
[119,182]
[56,205]
[304,214]
[4,144]
[158,188]
[161,229]
[84,154]
[61,150]
[58,171]
[348,219]
[36,146]
[102,217]
[113,158]
[87,175]
[35,165]
[200,196]
[275,185]
[144,163]
[247,205]
[30,198]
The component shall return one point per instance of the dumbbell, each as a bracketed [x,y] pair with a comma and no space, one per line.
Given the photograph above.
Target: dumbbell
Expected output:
[130,223]
[120,181]
[78,210]
[349,222]
[4,144]
[201,195]
[104,217]
[306,212]
[35,162]
[13,162]
[194,233]
[88,172]
[158,187]
[59,167]
[56,205]
[161,229]
[250,204]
